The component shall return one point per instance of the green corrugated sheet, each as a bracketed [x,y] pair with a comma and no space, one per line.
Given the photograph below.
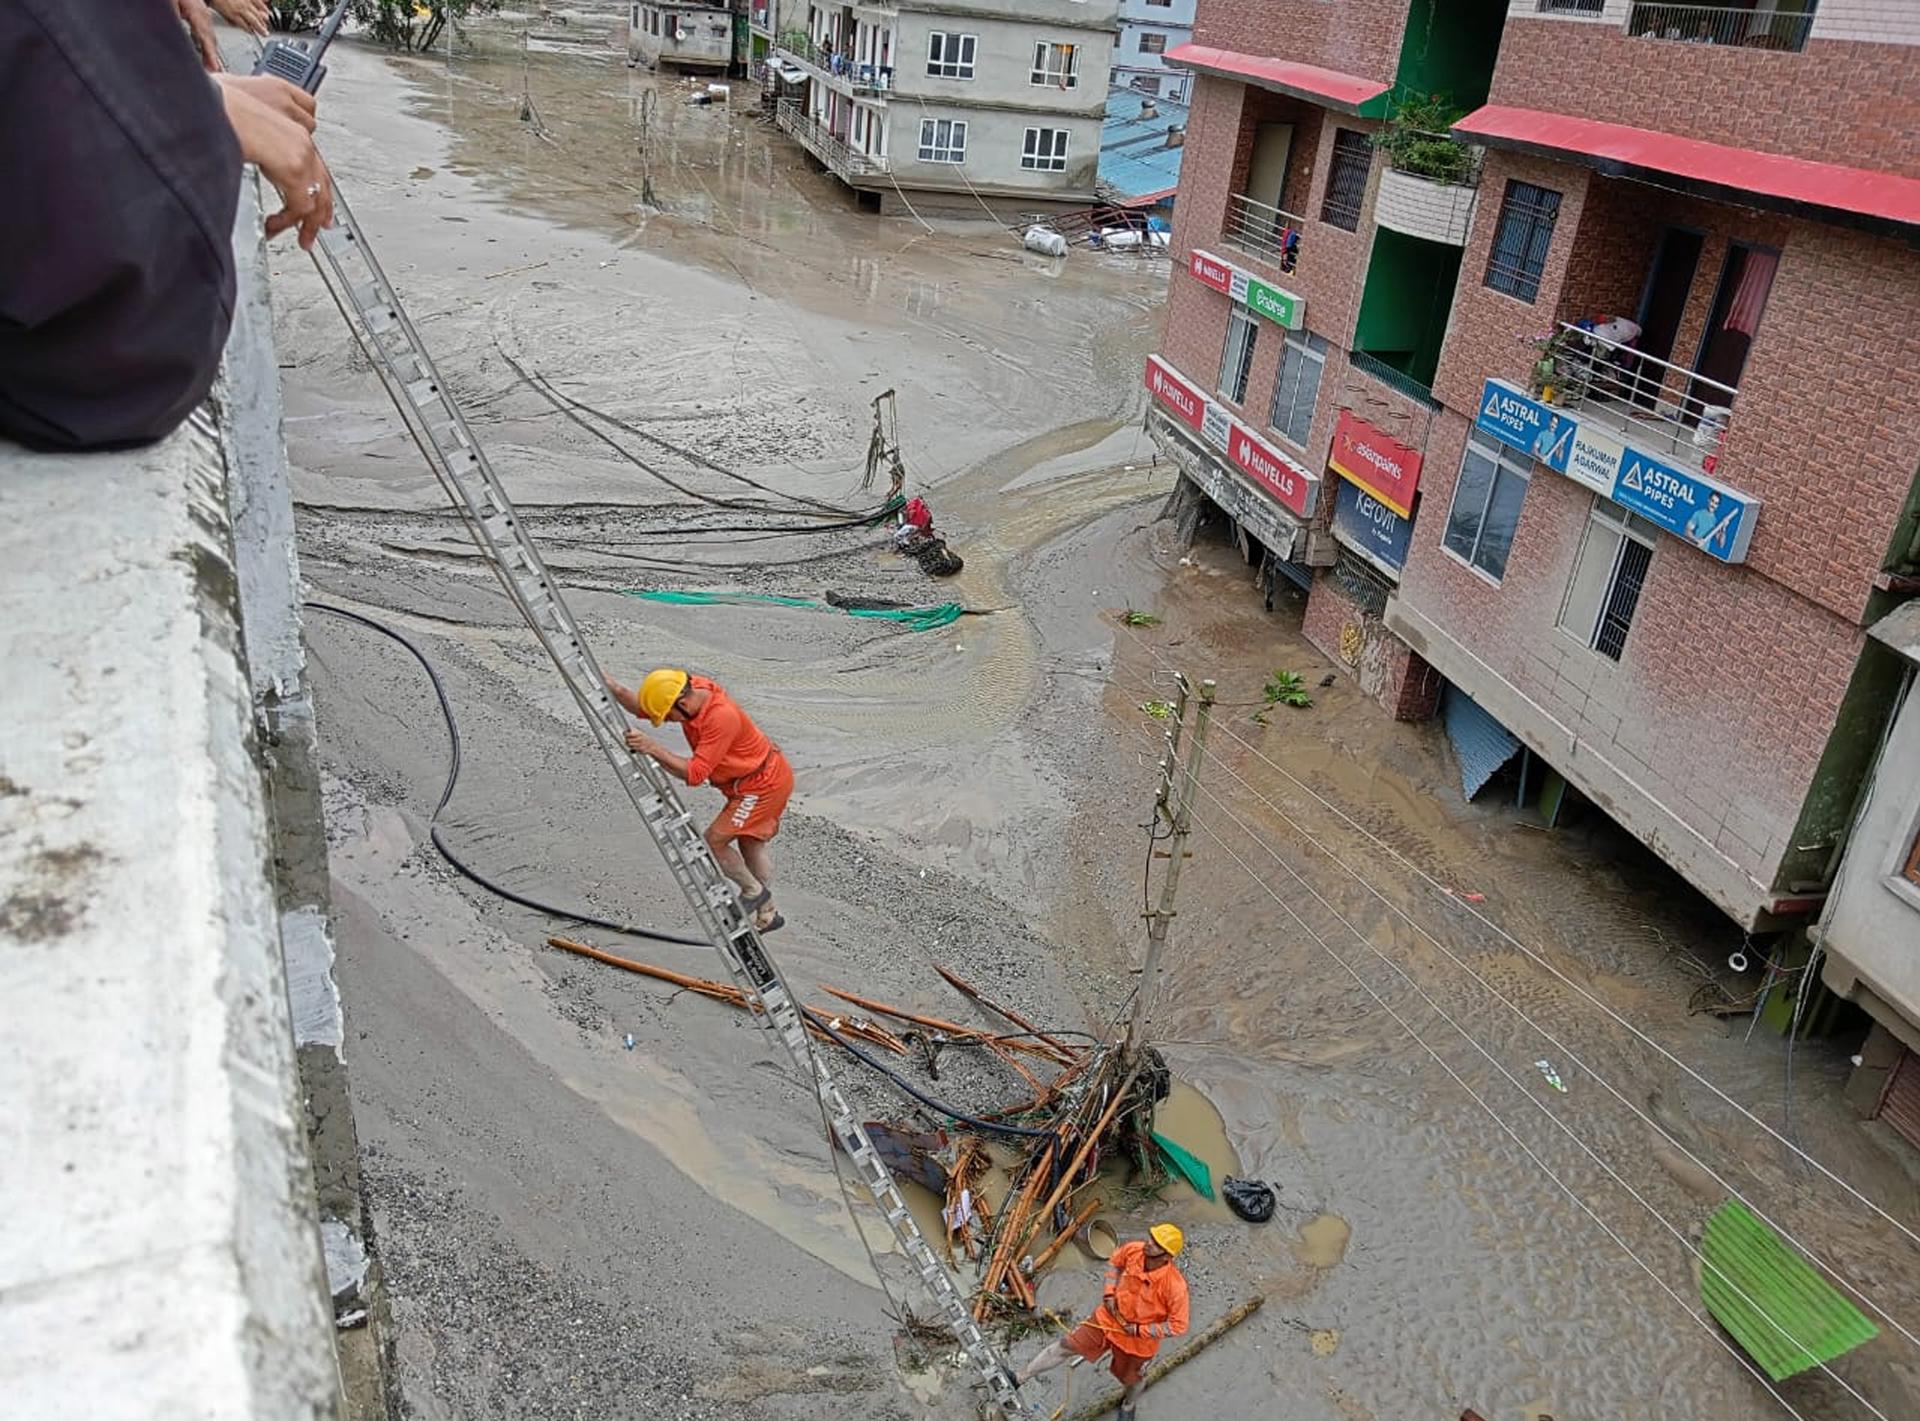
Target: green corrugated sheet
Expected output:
[1784,1314]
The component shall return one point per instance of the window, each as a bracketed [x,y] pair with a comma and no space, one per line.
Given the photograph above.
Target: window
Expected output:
[1237,359]
[1347,178]
[1486,505]
[1056,64]
[1153,44]
[1146,83]
[1607,578]
[1161,4]
[1303,359]
[943,140]
[1521,239]
[1574,7]
[1045,150]
[950,56]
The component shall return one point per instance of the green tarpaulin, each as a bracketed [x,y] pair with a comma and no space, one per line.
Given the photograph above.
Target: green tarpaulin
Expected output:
[1781,1312]
[1187,1165]
[916,619]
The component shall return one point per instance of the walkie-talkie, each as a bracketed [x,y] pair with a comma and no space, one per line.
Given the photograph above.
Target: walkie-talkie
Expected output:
[297,63]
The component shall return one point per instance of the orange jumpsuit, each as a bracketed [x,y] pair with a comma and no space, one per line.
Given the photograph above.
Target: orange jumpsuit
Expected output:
[1156,1301]
[743,764]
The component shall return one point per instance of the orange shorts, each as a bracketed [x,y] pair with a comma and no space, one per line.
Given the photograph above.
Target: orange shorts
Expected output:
[755,803]
[1090,1341]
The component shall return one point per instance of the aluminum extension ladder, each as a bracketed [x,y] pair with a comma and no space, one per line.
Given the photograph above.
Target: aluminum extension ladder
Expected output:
[381,324]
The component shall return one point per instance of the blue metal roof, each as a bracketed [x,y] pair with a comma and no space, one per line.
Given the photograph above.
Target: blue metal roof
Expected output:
[1482,743]
[1137,168]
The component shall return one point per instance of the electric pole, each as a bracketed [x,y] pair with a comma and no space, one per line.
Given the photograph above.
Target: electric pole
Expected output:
[1173,806]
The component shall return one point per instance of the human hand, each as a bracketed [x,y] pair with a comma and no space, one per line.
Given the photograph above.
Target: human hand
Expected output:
[283,151]
[641,743]
[200,25]
[1132,1329]
[288,100]
[249,15]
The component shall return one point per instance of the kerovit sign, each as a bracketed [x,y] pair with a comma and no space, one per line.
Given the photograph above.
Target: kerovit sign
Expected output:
[1710,515]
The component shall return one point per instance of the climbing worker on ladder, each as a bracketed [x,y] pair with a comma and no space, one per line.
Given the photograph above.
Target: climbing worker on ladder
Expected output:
[1144,1303]
[731,751]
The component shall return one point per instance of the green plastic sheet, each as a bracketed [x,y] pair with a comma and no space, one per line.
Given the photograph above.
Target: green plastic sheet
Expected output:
[1187,1165]
[916,619]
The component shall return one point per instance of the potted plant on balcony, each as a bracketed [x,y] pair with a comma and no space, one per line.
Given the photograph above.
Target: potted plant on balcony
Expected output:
[1417,140]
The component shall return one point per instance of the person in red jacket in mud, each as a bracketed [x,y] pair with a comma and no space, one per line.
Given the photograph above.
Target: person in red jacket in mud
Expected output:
[731,751]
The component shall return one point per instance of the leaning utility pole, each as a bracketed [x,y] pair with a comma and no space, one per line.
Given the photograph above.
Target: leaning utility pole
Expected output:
[1173,805]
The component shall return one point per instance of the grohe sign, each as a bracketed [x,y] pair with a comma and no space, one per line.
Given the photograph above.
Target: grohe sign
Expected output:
[1376,461]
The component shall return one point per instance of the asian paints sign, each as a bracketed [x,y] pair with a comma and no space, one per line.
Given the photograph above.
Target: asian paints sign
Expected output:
[1186,402]
[1375,460]
[1263,298]
[1713,517]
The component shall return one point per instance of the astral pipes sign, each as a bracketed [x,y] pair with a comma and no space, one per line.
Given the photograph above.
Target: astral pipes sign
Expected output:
[1186,402]
[1714,517]
[1263,298]
[1376,461]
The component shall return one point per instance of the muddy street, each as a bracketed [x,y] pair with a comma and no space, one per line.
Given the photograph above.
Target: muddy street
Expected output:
[1365,968]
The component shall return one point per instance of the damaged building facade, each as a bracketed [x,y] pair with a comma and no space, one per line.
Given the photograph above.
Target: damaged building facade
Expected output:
[1578,418]
[956,109]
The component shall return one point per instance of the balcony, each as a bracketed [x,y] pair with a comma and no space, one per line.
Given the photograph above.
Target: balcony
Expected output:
[827,146]
[1418,206]
[1269,233]
[1785,29]
[836,67]
[1657,405]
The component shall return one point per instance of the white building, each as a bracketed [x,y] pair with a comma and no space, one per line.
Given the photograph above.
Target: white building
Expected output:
[955,108]
[1149,29]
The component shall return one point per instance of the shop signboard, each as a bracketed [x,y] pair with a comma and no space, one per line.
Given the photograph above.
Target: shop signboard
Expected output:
[1376,461]
[1186,402]
[1708,514]
[1263,298]
[1370,527]
[1293,486]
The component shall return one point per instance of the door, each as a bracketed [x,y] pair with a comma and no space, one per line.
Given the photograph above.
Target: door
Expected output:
[1661,305]
[1267,170]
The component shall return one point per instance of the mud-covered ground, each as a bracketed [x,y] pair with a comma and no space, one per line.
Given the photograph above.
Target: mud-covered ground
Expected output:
[572,1228]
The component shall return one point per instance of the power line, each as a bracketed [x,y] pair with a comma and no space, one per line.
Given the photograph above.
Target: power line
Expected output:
[1538,958]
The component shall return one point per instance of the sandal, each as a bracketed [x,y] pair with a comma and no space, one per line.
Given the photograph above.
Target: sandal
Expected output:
[758,901]
[772,925]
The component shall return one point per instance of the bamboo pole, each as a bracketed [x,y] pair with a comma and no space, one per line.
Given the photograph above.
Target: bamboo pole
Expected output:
[980,998]
[1047,1254]
[1061,1189]
[1220,1328]
[934,1023]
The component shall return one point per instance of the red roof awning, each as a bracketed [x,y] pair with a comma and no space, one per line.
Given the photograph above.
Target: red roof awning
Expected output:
[1305,81]
[1857,197]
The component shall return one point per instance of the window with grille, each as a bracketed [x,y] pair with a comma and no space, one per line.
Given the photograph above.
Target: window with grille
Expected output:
[1347,178]
[1153,44]
[1487,499]
[1056,64]
[1521,239]
[1303,359]
[1146,83]
[1362,583]
[943,140]
[1565,7]
[1237,359]
[1615,553]
[1045,150]
[950,56]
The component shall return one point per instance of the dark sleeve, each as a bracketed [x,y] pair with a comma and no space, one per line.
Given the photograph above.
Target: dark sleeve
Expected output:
[119,178]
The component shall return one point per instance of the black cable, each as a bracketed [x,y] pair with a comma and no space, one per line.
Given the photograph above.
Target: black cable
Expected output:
[453,779]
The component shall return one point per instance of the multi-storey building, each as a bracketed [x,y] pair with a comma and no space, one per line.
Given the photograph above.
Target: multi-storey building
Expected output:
[957,108]
[1576,398]
[1149,30]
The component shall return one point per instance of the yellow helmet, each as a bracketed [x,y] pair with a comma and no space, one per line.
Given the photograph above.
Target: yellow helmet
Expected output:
[1169,1237]
[660,690]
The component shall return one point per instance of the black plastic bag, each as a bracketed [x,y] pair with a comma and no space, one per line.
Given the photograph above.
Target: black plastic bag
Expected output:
[1250,1199]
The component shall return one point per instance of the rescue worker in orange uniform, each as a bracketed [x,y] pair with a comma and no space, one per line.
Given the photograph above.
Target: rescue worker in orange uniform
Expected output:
[731,751]
[1144,1303]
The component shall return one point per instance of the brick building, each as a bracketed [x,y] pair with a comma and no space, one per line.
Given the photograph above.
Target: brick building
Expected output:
[1575,399]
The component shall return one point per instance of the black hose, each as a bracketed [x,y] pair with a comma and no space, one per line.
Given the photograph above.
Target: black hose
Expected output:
[453,779]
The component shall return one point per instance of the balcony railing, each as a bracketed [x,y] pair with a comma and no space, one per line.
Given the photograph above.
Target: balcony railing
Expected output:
[1651,401]
[863,78]
[1263,231]
[1721,24]
[1393,379]
[825,144]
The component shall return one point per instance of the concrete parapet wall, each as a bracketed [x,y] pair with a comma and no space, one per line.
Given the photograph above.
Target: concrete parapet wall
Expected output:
[160,1254]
